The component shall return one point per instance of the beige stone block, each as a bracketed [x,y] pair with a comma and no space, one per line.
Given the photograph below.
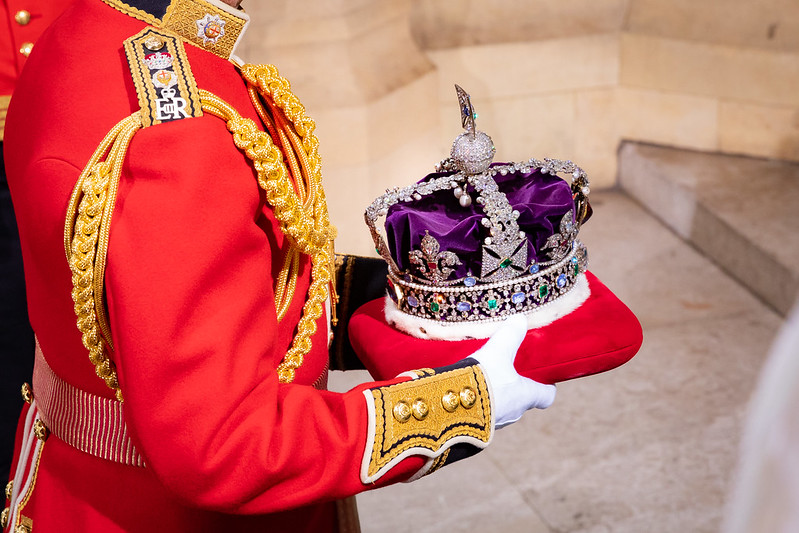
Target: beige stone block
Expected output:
[403,115]
[446,24]
[406,164]
[770,24]
[347,192]
[343,136]
[508,70]
[667,118]
[715,71]
[596,136]
[533,126]
[343,59]
[282,23]
[759,130]
[361,134]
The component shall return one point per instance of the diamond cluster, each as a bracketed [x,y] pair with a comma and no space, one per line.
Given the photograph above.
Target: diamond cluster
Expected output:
[473,152]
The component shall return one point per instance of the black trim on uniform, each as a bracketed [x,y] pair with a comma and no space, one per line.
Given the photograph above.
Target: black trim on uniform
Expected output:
[358,280]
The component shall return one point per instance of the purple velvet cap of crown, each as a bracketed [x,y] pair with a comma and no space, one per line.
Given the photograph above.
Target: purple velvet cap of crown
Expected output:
[541,199]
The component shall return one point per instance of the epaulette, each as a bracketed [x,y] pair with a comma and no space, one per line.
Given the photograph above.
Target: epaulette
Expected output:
[162,75]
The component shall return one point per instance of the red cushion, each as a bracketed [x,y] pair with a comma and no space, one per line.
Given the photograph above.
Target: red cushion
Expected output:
[599,336]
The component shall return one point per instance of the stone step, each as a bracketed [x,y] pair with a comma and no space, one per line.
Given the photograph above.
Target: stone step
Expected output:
[741,212]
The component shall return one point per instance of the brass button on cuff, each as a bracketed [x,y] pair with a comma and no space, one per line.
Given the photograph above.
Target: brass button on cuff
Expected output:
[22,17]
[40,430]
[9,490]
[450,401]
[468,397]
[420,409]
[4,518]
[27,392]
[26,49]
[402,411]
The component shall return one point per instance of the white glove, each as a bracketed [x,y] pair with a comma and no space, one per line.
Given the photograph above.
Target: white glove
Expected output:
[512,394]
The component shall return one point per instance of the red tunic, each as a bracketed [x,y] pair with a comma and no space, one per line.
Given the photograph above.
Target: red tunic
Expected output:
[193,255]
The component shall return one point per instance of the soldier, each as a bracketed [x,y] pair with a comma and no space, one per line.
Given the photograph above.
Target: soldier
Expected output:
[24,20]
[185,189]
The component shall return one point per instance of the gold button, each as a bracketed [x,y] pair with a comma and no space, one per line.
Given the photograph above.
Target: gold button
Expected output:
[420,409]
[9,490]
[25,49]
[450,401]
[468,397]
[40,430]
[22,17]
[154,43]
[22,529]
[402,411]
[4,518]
[27,392]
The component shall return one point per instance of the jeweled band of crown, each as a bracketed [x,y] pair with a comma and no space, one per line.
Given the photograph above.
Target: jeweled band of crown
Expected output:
[507,282]
[491,301]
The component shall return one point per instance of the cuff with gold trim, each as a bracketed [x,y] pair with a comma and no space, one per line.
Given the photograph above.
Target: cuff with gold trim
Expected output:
[443,414]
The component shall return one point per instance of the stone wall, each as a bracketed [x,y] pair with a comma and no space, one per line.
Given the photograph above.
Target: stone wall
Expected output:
[556,78]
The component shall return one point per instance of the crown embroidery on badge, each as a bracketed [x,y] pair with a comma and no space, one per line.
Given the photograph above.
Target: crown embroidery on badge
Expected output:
[210,28]
[159,60]
[165,79]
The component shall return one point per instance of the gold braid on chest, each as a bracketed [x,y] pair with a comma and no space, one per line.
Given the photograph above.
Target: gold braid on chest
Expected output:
[290,175]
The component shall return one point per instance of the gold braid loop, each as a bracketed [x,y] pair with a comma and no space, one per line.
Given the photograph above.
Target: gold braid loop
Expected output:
[86,243]
[303,231]
[276,93]
[270,90]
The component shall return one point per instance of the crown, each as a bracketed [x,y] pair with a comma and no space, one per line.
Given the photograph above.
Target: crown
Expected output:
[476,241]
[159,60]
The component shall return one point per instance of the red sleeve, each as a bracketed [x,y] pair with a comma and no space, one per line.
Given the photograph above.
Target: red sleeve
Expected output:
[191,262]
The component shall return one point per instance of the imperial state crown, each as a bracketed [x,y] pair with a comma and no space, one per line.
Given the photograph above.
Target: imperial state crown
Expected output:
[477,241]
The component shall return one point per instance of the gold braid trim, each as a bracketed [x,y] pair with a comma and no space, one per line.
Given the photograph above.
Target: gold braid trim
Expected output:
[86,242]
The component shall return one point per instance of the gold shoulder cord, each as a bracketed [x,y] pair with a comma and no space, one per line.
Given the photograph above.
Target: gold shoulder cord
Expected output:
[298,204]
[86,242]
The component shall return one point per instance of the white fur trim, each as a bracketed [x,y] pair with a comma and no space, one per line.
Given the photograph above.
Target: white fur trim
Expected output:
[424,328]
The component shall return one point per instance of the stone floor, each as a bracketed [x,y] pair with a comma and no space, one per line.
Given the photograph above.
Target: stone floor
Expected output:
[648,447]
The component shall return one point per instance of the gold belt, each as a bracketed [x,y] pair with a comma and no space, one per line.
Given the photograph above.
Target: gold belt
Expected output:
[88,422]
[85,421]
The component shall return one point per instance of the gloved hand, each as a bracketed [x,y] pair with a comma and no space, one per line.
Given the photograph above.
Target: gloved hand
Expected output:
[512,394]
